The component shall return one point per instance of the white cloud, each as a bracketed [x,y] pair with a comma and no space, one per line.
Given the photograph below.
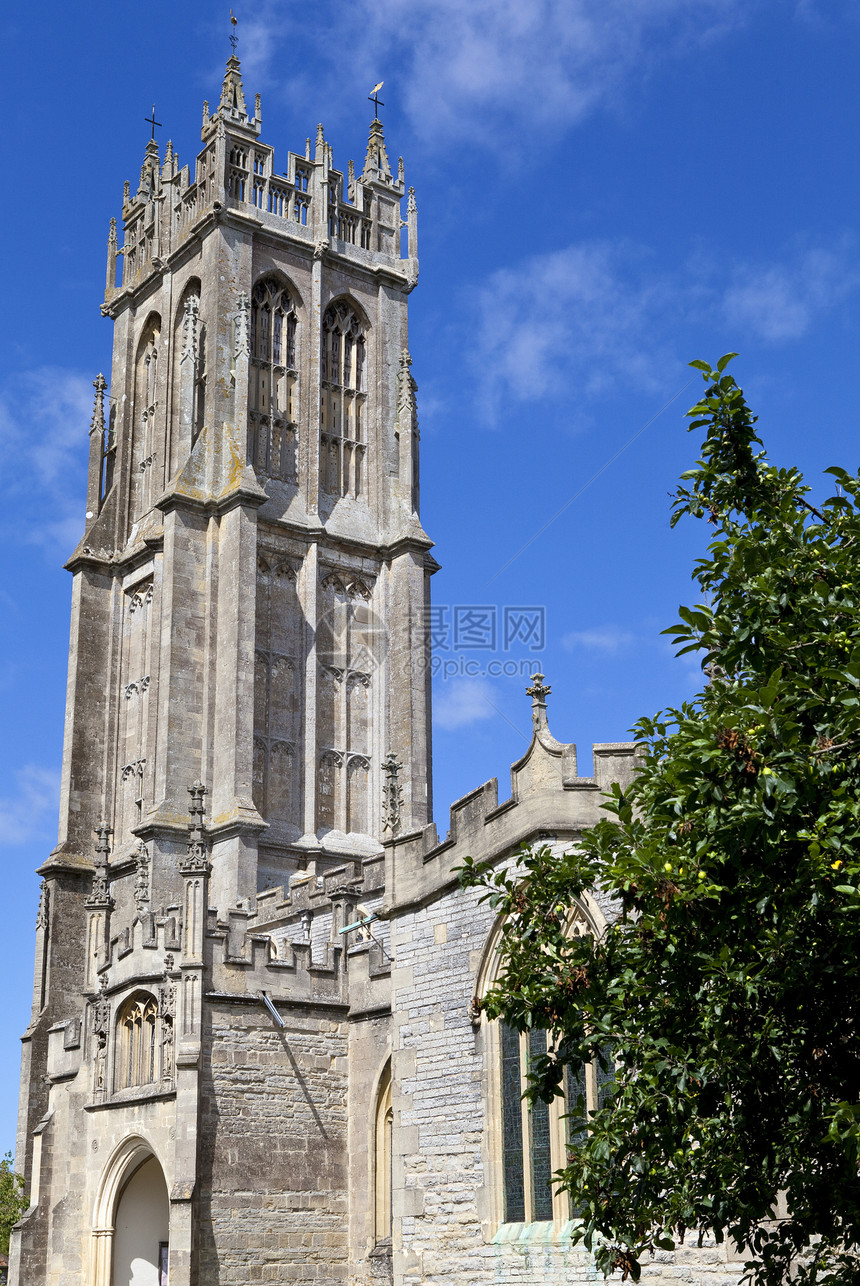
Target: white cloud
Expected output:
[30,812]
[598,315]
[44,425]
[603,638]
[782,301]
[487,70]
[578,320]
[462,702]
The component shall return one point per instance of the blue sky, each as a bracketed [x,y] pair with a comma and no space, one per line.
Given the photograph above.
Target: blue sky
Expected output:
[606,189]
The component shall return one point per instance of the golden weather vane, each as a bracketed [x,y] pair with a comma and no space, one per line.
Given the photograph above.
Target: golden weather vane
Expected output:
[234,39]
[373,97]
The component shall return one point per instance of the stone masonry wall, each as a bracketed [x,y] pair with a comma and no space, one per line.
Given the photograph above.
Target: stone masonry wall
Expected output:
[273,1166]
[449,1232]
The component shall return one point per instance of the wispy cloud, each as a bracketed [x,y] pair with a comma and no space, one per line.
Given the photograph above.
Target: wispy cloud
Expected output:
[599,315]
[31,811]
[581,317]
[603,638]
[489,71]
[44,422]
[462,702]
[781,301]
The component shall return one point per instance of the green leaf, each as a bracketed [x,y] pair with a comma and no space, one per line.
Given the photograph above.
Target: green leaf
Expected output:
[724,361]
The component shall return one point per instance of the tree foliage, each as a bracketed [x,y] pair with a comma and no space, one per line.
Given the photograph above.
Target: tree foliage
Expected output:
[727,988]
[13,1203]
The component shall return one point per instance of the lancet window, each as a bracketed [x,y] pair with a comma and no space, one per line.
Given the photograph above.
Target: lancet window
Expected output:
[382,1154]
[273,382]
[343,434]
[237,173]
[301,200]
[137,1052]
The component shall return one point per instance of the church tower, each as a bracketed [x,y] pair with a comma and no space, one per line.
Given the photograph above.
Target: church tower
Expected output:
[247,716]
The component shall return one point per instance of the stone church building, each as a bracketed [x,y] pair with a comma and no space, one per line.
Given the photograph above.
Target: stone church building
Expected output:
[253,1053]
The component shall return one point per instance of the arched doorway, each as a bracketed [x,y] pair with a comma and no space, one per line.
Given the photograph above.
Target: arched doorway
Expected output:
[141,1229]
[131,1220]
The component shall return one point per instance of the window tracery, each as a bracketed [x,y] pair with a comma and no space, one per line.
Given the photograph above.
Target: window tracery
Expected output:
[273,380]
[533,1143]
[137,1054]
[342,404]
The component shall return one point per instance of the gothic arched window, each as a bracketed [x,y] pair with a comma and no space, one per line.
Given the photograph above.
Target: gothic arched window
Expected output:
[273,380]
[343,437]
[535,1141]
[531,1144]
[382,1153]
[137,1043]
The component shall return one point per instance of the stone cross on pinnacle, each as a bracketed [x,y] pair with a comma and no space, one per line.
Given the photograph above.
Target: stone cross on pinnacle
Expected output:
[539,691]
[150,120]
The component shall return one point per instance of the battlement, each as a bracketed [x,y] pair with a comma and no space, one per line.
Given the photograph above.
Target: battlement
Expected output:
[547,800]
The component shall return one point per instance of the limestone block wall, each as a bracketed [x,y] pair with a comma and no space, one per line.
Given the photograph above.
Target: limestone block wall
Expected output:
[273,1127]
[448,1226]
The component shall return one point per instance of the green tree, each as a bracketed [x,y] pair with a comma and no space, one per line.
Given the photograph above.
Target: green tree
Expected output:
[13,1203]
[727,989]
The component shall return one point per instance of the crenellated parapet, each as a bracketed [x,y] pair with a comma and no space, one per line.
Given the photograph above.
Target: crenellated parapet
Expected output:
[548,800]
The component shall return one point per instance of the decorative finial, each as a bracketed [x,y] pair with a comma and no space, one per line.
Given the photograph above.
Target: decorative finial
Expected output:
[234,39]
[126,192]
[243,326]
[196,860]
[410,201]
[44,906]
[190,330]
[150,120]
[538,692]
[104,833]
[401,170]
[100,898]
[141,884]
[373,97]
[392,794]
[97,423]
